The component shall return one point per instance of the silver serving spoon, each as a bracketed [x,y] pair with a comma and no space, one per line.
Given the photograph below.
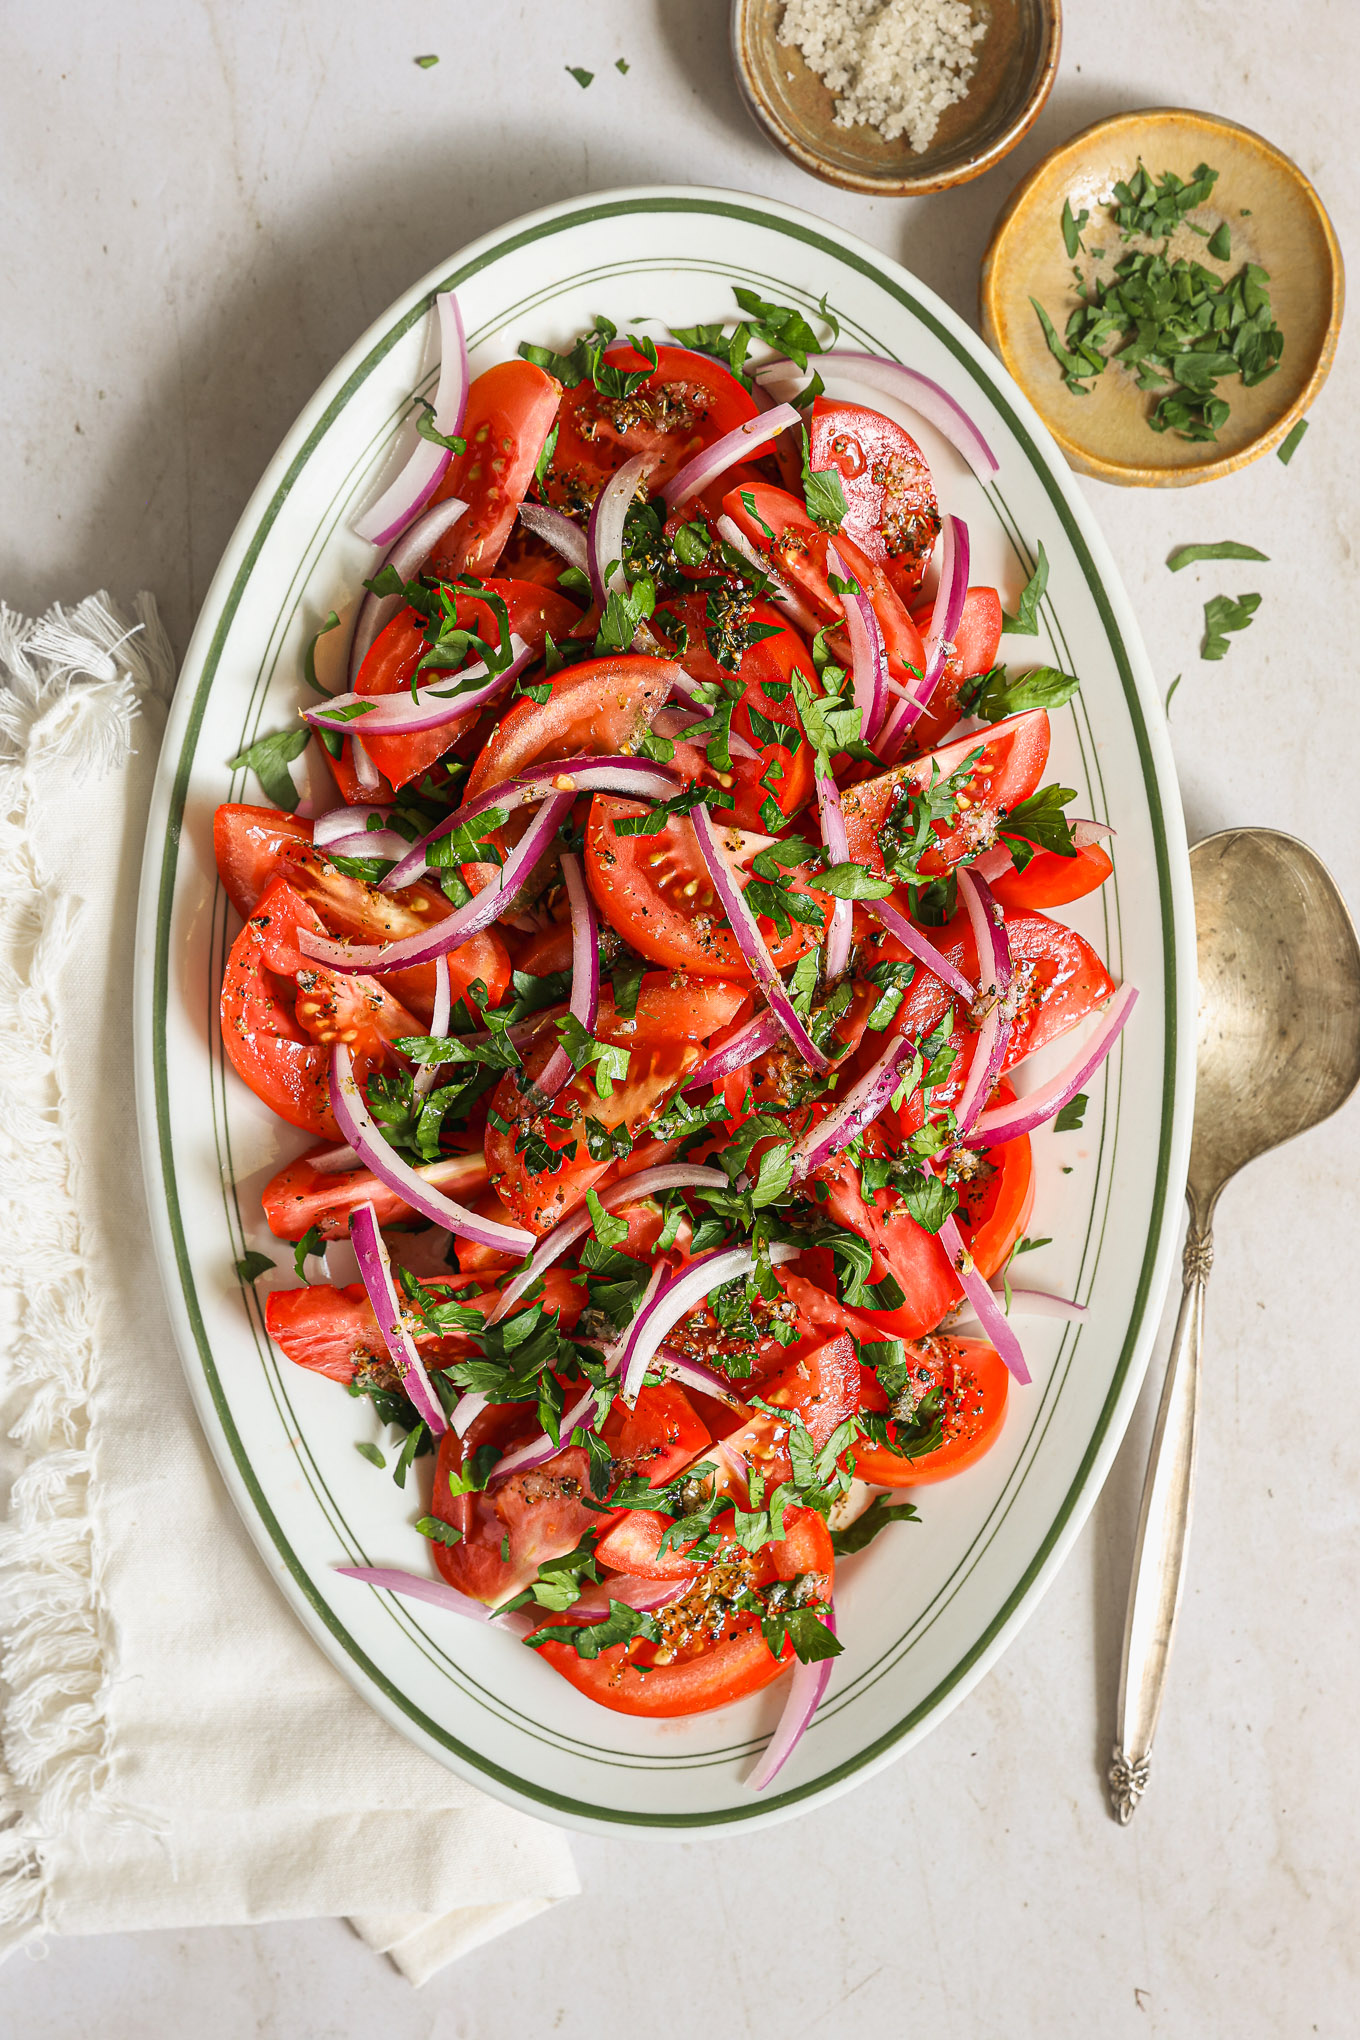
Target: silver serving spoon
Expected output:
[1278,1051]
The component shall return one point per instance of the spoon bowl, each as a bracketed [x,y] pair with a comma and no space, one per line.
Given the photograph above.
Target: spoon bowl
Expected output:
[1279,1002]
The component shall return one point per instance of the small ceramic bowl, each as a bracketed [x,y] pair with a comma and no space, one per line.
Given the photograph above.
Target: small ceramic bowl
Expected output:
[1274,218]
[1017,63]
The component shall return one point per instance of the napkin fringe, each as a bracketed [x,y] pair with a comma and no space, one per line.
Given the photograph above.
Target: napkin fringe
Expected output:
[70,687]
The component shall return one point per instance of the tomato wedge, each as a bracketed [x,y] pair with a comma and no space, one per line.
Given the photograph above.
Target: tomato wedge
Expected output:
[1049,880]
[532,611]
[510,412]
[782,773]
[541,1164]
[599,708]
[333,1331]
[972,1383]
[301,1195]
[821,1385]
[798,553]
[892,515]
[977,640]
[254,845]
[657,892]
[509,1531]
[281,1014]
[684,405]
[1013,756]
[690,1672]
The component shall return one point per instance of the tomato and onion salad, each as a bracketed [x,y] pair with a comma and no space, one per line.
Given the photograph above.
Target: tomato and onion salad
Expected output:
[651,987]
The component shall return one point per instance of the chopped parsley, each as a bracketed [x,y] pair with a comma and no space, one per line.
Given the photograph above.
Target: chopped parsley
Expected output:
[1224,613]
[269,758]
[1223,549]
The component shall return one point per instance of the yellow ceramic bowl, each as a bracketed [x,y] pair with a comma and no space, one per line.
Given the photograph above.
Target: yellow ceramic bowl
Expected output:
[1017,63]
[1275,219]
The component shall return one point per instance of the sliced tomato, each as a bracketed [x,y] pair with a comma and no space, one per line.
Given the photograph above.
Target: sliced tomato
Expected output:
[798,553]
[1049,880]
[632,1545]
[692,1672]
[973,1383]
[250,845]
[993,1211]
[333,1330]
[1013,756]
[781,772]
[977,640]
[533,612]
[821,1384]
[685,404]
[657,892]
[508,1531]
[892,512]
[1061,980]
[674,1015]
[301,1195]
[510,412]
[599,709]
[253,845]
[281,1014]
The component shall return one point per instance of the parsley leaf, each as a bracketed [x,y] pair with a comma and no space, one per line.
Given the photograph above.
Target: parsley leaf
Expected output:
[254,1264]
[310,1243]
[1025,622]
[865,1528]
[581,75]
[1221,614]
[1289,446]
[1072,1114]
[1225,549]
[822,493]
[269,758]
[367,1450]
[1041,820]
[994,695]
[611,1062]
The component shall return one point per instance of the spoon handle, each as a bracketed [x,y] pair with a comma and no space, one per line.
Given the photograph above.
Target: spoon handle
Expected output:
[1163,1537]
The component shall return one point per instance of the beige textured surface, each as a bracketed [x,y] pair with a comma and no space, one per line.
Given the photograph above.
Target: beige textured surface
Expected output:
[196,219]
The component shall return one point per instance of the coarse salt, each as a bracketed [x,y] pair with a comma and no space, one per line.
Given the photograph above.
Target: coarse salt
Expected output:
[894,64]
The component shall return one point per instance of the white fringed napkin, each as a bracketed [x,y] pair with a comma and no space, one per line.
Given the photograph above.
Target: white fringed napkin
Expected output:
[174,1750]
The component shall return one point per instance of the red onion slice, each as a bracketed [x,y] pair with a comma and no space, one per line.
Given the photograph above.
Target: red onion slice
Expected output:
[955,559]
[868,655]
[358,959]
[1028,1303]
[368,843]
[365,771]
[537,1451]
[339,822]
[991,1316]
[910,388]
[780,592]
[467,1409]
[556,529]
[715,460]
[644,1595]
[426,468]
[445,699]
[628,1190]
[424,1080]
[750,941]
[417,1588]
[376,1272]
[754,1039]
[806,1688]
[356,1123]
[585,974]
[408,556]
[633,778]
[856,1110]
[676,1298]
[1024,1115]
[837,852]
[921,947]
[604,533]
[994,1034]
[690,1374]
